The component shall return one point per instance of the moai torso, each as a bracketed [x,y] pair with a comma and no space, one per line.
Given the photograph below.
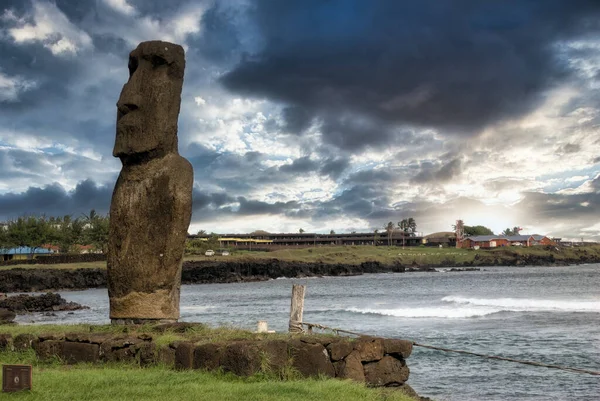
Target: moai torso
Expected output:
[152,201]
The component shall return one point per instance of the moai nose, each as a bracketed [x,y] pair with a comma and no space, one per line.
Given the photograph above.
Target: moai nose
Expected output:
[128,102]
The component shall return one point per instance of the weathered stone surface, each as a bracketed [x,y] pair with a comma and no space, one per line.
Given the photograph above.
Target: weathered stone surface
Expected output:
[5,340]
[242,358]
[402,348]
[310,359]
[151,205]
[340,349]
[184,356]
[275,354]
[51,336]
[146,353]
[123,349]
[208,356]
[6,316]
[388,371]
[166,356]
[23,342]
[369,348]
[72,352]
[351,368]
[47,349]
[409,391]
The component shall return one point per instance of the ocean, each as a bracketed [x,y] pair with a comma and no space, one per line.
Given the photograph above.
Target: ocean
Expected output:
[544,314]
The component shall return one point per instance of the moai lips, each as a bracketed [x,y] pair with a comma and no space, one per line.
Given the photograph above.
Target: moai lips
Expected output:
[152,201]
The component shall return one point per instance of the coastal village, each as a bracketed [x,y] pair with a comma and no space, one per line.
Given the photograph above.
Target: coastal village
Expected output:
[34,237]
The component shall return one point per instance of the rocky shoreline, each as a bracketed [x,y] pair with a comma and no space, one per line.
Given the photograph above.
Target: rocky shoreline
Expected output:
[234,271]
[22,303]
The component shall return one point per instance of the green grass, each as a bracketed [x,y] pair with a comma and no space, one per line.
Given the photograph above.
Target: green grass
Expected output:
[126,383]
[53,381]
[199,334]
[387,255]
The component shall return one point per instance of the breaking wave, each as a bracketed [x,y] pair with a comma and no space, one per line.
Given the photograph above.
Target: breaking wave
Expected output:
[448,313]
[526,305]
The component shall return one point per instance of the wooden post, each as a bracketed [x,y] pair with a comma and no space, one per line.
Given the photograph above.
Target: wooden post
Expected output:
[297,308]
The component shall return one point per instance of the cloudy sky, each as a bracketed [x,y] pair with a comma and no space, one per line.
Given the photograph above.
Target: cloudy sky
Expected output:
[317,114]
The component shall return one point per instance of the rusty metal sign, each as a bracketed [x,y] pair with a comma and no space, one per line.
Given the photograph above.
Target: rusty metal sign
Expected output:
[16,377]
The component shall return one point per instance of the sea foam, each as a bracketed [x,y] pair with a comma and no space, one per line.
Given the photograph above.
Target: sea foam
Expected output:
[526,304]
[442,312]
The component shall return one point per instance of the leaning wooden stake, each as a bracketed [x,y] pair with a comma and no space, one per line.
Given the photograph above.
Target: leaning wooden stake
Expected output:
[297,308]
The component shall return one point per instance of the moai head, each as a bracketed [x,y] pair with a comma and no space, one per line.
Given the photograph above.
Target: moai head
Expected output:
[148,107]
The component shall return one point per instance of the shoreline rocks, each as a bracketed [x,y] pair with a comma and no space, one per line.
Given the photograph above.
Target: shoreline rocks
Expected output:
[50,302]
[237,271]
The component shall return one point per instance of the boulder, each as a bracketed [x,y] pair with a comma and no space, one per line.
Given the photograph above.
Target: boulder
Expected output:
[340,349]
[47,349]
[184,355]
[120,349]
[7,316]
[275,355]
[369,348]
[402,348]
[166,356]
[242,358]
[310,359]
[23,342]
[5,340]
[351,368]
[72,352]
[208,356]
[386,372]
[146,353]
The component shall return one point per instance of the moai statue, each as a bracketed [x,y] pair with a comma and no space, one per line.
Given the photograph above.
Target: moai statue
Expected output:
[151,204]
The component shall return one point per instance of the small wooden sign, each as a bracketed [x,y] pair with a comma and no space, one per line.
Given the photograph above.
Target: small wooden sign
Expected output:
[16,378]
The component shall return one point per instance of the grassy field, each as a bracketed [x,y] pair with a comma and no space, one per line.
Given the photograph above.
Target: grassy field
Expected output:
[112,381]
[383,254]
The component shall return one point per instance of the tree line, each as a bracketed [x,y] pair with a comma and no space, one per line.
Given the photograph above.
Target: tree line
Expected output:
[65,232]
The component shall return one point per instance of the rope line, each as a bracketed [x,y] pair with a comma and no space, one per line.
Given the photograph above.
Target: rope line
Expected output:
[500,358]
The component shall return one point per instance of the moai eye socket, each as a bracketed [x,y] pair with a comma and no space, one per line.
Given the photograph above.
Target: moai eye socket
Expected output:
[157,61]
[133,65]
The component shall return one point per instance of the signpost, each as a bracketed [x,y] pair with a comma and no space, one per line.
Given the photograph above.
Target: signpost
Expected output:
[16,378]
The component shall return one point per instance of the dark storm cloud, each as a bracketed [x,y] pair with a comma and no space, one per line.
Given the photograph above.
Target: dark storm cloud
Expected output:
[202,200]
[437,172]
[220,38]
[458,65]
[300,165]
[334,167]
[54,200]
[550,209]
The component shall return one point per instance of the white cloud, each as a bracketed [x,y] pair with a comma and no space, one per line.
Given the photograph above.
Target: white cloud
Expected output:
[121,6]
[12,87]
[49,27]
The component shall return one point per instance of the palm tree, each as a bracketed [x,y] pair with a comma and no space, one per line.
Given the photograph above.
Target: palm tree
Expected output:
[301,231]
[389,228]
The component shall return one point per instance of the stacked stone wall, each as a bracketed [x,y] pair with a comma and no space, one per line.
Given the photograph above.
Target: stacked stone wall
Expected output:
[378,362]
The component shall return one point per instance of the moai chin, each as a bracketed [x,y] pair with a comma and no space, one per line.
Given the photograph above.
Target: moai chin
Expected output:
[151,204]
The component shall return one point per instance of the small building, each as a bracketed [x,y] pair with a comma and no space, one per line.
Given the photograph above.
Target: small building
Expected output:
[443,238]
[494,241]
[22,253]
